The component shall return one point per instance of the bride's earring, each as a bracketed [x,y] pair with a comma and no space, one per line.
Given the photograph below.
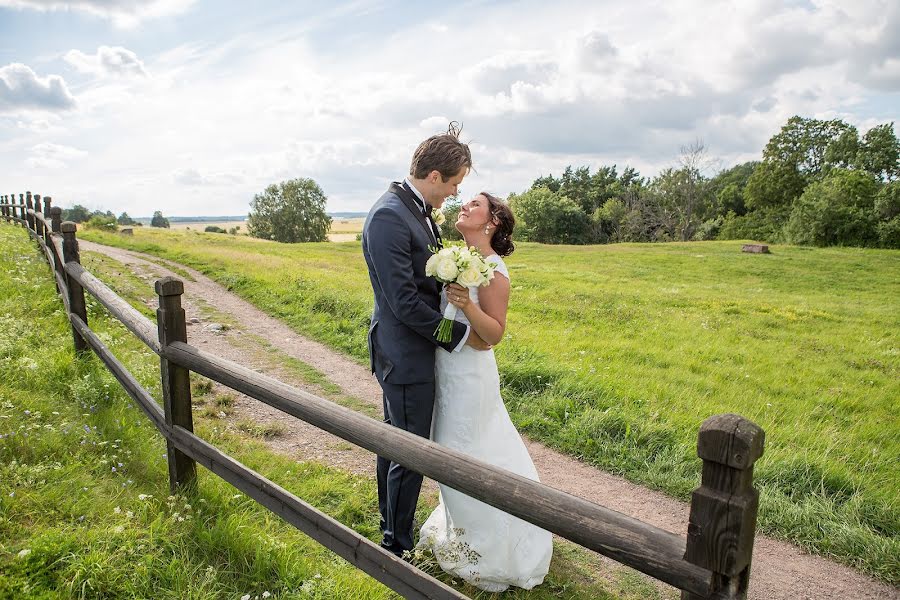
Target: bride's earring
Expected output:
[487,229]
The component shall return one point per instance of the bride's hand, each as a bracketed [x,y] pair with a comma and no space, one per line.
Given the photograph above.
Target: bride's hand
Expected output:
[458,295]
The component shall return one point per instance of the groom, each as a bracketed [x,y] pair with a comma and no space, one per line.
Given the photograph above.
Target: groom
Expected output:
[395,240]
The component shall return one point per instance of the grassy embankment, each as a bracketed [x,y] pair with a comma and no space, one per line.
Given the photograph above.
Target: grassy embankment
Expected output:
[617,353]
[84,504]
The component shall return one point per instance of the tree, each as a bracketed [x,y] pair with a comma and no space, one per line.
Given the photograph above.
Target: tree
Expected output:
[793,158]
[290,211]
[124,219]
[887,207]
[548,217]
[879,152]
[451,209]
[839,210]
[159,220]
[76,214]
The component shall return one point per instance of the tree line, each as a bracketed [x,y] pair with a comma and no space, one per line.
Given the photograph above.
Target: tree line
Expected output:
[819,183]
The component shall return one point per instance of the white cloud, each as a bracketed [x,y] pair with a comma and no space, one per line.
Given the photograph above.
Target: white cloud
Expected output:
[22,89]
[123,13]
[115,61]
[586,83]
[52,156]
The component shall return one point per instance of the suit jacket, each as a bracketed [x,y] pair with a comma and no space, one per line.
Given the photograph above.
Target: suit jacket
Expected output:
[395,241]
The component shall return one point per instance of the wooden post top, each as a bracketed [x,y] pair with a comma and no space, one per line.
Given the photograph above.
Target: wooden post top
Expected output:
[730,440]
[169,286]
[68,227]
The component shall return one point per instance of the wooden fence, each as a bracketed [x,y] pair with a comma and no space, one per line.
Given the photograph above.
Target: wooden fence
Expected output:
[712,561]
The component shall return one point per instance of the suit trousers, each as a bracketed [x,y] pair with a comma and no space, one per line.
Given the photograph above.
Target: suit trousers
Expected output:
[408,407]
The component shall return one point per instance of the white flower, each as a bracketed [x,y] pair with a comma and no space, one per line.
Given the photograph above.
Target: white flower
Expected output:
[117,510]
[24,553]
[470,277]
[245,597]
[266,594]
[438,216]
[446,269]
[431,265]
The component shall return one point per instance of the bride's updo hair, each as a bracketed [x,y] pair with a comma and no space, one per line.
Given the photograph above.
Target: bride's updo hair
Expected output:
[501,241]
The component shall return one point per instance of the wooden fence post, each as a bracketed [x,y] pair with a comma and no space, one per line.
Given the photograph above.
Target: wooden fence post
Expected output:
[5,212]
[29,221]
[722,522]
[176,380]
[76,292]
[38,227]
[47,217]
[22,209]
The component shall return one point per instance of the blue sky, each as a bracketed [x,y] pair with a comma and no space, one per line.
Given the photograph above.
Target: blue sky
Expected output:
[191,107]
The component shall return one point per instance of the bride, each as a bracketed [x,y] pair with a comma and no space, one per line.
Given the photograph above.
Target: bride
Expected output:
[472,540]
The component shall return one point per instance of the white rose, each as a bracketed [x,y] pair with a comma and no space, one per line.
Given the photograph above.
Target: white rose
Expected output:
[470,277]
[446,269]
[438,217]
[431,265]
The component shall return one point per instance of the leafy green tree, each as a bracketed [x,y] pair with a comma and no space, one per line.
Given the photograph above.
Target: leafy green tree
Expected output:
[451,214]
[548,217]
[793,158]
[159,220]
[727,189]
[124,219]
[76,214]
[610,218]
[879,152]
[290,211]
[887,208]
[839,210]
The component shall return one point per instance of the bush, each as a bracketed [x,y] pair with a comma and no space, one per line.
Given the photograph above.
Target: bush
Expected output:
[763,225]
[546,217]
[213,229]
[838,210]
[104,222]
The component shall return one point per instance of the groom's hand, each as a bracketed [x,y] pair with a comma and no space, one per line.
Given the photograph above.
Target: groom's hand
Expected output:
[476,342]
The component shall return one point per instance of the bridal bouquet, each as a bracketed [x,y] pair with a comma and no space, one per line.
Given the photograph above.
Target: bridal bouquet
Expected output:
[457,264]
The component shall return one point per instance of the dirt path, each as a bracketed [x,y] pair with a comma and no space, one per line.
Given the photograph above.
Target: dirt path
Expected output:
[780,570]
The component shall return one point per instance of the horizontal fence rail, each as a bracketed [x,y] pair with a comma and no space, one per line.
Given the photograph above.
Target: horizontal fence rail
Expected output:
[713,561]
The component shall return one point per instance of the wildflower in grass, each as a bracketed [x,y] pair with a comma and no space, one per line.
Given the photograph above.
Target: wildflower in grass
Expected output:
[117,510]
[24,553]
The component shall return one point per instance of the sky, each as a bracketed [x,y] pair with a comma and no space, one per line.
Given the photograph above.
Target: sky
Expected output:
[191,107]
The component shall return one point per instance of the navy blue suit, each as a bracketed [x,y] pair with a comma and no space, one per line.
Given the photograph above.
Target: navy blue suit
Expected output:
[395,242]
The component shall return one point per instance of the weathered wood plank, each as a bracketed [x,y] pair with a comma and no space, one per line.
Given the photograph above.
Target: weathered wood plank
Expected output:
[138,324]
[134,389]
[400,576]
[629,541]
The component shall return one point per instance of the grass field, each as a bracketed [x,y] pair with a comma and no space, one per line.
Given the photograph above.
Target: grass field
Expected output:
[617,353]
[342,229]
[85,510]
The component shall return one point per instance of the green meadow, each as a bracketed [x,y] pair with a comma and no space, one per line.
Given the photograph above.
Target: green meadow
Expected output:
[617,353]
[85,510]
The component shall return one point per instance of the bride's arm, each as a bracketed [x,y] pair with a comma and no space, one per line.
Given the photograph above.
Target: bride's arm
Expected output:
[489,319]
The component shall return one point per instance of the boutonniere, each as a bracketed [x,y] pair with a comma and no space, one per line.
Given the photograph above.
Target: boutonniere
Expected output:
[438,217]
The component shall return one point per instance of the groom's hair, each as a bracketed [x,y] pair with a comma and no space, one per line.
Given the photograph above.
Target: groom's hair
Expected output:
[443,153]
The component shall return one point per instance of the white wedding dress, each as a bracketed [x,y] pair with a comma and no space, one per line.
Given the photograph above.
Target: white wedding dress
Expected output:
[470,539]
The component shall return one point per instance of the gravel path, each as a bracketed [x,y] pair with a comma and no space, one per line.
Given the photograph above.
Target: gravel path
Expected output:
[780,570]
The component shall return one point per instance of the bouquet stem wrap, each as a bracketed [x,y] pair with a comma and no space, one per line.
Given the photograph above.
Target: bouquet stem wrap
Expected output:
[444,331]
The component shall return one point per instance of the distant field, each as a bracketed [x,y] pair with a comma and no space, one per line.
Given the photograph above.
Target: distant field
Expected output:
[345,230]
[201,225]
[342,229]
[617,353]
